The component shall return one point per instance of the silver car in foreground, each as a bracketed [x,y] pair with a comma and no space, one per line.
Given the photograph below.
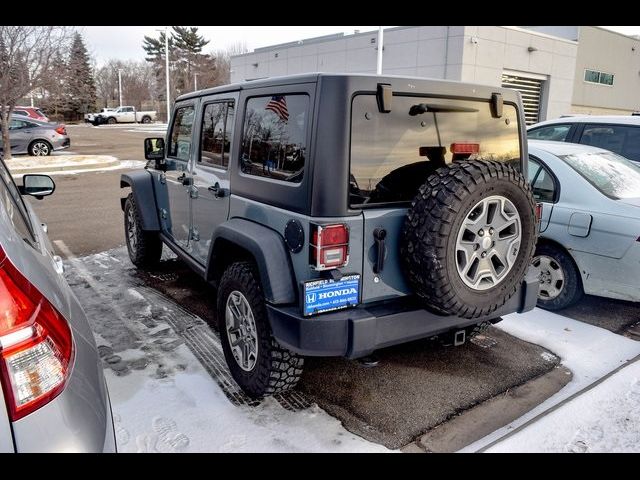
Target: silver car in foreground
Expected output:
[53,396]
[36,138]
[590,229]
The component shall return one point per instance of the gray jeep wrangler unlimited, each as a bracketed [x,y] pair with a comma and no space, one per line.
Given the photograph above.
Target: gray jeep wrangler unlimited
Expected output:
[338,214]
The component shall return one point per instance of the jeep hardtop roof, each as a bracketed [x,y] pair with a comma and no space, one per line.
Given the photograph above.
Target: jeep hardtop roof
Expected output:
[418,85]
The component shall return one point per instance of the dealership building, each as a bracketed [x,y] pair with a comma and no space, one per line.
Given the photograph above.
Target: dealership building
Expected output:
[559,70]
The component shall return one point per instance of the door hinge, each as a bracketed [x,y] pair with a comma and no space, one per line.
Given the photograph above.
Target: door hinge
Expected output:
[193,192]
[162,178]
[163,214]
[194,234]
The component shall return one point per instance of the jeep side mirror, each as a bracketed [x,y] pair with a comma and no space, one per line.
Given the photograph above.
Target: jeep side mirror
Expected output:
[154,151]
[38,186]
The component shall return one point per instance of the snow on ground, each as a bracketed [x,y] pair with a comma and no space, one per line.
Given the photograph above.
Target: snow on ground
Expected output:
[162,397]
[187,412]
[123,164]
[590,353]
[604,419]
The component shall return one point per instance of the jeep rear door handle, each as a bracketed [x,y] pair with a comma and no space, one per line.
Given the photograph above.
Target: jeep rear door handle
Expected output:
[217,190]
[379,234]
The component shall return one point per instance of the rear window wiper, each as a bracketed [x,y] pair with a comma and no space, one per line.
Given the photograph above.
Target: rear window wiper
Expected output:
[421,108]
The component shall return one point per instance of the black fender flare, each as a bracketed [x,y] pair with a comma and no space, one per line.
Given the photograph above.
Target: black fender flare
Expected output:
[267,248]
[141,183]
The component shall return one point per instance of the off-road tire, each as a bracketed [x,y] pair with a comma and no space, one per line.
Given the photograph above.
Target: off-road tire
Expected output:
[147,250]
[276,369]
[430,230]
[572,290]
[112,121]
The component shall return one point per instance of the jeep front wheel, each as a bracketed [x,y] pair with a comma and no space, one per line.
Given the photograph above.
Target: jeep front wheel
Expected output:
[144,247]
[469,237]
[258,364]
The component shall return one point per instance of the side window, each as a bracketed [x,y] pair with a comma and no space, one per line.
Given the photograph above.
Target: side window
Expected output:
[631,148]
[609,137]
[217,134]
[12,200]
[552,132]
[274,142]
[17,124]
[542,183]
[20,112]
[127,109]
[181,129]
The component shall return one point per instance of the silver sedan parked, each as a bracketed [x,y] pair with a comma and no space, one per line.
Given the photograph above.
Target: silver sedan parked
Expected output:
[35,138]
[53,395]
[590,229]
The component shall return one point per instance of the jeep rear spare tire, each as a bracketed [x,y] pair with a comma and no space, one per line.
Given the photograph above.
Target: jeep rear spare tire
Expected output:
[469,238]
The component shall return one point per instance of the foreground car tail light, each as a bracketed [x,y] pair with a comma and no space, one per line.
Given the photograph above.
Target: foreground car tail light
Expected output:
[62,130]
[36,346]
[329,246]
[538,213]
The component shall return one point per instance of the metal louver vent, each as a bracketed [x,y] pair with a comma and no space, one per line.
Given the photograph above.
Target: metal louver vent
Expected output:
[531,91]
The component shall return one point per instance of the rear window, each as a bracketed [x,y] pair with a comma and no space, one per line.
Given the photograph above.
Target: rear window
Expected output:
[393,153]
[614,176]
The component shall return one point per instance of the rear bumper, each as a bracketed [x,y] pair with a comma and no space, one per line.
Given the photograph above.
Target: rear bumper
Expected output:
[359,331]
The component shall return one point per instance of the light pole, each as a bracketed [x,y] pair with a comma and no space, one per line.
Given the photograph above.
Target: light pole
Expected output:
[120,85]
[166,72]
[380,47]
[195,81]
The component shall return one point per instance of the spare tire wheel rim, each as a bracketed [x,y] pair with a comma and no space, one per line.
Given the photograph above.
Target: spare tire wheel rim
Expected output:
[241,331]
[550,275]
[488,242]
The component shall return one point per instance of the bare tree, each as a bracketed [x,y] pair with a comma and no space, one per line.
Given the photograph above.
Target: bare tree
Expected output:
[27,55]
[223,61]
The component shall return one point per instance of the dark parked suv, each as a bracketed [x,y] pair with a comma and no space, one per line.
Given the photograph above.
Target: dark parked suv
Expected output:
[338,214]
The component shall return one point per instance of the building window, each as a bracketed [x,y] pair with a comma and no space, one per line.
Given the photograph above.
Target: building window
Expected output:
[593,76]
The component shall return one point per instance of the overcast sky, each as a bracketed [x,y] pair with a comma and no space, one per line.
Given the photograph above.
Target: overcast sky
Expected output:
[125,43]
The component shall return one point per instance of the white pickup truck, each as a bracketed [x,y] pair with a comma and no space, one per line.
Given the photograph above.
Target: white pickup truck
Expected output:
[126,114]
[90,117]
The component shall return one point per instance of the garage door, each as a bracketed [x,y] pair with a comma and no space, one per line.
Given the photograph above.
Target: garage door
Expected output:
[531,91]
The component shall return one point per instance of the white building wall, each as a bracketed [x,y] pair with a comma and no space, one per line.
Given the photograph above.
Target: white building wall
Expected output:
[489,51]
[477,54]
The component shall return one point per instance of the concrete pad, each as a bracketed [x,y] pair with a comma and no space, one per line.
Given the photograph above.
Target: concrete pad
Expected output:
[421,384]
[497,412]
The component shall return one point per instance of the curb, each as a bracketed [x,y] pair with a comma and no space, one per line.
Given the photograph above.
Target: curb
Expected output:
[18,170]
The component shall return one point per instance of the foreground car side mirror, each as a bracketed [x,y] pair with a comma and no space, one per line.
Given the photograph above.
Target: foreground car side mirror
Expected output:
[154,151]
[38,186]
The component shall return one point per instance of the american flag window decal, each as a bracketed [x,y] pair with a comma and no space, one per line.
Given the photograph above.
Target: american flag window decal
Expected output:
[278,105]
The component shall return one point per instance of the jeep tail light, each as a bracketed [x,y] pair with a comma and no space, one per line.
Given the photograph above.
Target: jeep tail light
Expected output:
[538,213]
[62,130]
[36,347]
[329,246]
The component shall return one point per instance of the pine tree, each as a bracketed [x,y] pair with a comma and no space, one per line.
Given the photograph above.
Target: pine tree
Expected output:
[81,86]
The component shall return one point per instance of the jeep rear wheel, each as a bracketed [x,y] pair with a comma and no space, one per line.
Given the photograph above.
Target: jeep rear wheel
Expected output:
[469,237]
[258,364]
[144,247]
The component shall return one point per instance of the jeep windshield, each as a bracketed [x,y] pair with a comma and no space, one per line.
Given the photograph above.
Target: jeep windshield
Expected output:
[392,154]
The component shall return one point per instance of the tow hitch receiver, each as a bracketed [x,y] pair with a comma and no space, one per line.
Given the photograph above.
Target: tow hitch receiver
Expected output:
[459,338]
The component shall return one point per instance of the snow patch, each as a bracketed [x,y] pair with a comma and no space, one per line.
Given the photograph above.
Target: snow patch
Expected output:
[590,353]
